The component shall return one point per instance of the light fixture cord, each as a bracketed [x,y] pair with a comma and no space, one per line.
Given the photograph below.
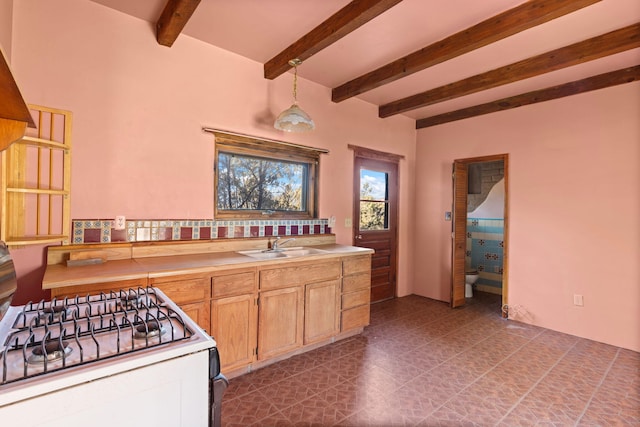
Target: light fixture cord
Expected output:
[295,84]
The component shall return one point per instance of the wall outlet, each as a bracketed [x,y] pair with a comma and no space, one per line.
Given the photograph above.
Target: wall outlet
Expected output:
[119,223]
[578,300]
[347,222]
[332,221]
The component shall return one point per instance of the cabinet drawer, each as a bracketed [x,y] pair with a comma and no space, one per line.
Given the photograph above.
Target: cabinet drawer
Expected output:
[356,282]
[355,265]
[72,291]
[298,275]
[355,317]
[234,284]
[185,291]
[354,299]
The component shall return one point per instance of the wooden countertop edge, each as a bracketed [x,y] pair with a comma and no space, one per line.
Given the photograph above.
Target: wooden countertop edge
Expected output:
[59,276]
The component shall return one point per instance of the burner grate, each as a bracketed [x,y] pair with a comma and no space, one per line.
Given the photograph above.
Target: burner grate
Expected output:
[49,337]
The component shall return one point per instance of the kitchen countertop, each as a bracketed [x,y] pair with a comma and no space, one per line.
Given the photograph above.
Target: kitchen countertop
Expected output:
[59,275]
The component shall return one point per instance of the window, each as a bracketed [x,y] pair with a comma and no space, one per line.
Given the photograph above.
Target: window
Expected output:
[256,178]
[374,200]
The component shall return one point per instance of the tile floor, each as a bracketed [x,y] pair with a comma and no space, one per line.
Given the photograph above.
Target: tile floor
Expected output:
[421,363]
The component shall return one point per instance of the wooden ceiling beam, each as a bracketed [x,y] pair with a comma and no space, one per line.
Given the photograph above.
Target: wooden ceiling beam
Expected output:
[601,81]
[587,50]
[174,17]
[520,18]
[341,23]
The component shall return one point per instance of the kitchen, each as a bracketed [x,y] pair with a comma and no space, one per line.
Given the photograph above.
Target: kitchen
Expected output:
[139,151]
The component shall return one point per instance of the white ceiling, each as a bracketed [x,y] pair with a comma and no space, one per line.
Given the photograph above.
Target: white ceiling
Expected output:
[260,29]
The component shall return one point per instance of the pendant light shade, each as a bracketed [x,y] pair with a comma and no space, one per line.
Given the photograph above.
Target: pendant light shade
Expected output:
[294,119]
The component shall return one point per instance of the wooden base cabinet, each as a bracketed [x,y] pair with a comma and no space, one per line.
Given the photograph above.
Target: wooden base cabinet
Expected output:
[321,311]
[233,325]
[192,292]
[356,292]
[267,311]
[234,319]
[280,321]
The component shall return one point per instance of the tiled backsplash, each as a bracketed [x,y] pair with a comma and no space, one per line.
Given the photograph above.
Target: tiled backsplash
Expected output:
[485,250]
[103,231]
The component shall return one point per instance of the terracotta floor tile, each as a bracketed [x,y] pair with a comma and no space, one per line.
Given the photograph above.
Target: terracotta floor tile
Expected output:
[420,363]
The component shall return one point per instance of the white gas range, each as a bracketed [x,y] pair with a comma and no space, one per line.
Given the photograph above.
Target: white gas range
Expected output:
[124,358]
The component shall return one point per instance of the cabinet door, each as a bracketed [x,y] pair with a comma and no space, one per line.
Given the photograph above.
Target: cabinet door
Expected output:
[233,325]
[321,310]
[280,321]
[199,313]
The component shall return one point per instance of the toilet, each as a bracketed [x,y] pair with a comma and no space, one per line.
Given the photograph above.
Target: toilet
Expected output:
[470,277]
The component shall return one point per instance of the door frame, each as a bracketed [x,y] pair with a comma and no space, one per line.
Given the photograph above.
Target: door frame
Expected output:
[460,171]
[394,203]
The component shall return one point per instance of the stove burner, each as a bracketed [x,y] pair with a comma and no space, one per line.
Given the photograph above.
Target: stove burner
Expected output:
[129,301]
[152,329]
[53,352]
[55,312]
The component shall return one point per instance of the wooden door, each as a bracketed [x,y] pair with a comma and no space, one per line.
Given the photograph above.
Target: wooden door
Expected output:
[375,220]
[459,232]
[280,321]
[460,174]
[321,310]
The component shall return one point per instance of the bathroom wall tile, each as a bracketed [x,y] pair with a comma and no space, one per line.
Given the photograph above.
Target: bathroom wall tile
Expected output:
[268,230]
[254,231]
[485,250]
[238,231]
[222,232]
[282,230]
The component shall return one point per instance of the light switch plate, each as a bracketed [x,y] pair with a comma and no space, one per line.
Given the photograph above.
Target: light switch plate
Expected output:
[447,216]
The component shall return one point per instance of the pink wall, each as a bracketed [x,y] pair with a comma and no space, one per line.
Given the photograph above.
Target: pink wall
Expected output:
[6,25]
[138,109]
[574,196]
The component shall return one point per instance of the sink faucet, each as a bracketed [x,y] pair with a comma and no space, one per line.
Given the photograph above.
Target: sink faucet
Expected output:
[277,243]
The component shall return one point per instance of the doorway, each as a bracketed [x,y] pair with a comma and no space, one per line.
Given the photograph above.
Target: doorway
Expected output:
[375,211]
[460,189]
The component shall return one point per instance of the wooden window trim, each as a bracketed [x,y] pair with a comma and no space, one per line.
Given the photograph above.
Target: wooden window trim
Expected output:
[229,142]
[369,153]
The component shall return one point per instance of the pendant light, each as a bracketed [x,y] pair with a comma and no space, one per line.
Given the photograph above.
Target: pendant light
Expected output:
[294,119]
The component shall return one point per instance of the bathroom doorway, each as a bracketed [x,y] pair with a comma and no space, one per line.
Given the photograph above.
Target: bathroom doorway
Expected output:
[497,263]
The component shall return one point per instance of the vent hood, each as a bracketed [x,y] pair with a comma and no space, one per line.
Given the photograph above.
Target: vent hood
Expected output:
[14,113]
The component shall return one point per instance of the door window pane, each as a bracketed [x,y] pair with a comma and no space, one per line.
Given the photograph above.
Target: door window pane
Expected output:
[374,200]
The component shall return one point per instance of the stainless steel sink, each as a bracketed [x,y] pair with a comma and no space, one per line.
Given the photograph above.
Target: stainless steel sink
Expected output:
[262,254]
[293,252]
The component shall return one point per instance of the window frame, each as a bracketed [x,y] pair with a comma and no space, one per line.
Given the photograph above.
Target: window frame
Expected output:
[232,143]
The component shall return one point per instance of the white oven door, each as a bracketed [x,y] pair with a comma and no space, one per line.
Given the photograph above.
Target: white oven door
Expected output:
[171,393]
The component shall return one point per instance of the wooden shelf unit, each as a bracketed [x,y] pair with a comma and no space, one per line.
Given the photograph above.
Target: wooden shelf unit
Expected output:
[35,175]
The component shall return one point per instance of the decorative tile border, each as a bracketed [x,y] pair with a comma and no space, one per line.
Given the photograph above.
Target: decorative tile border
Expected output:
[102,231]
